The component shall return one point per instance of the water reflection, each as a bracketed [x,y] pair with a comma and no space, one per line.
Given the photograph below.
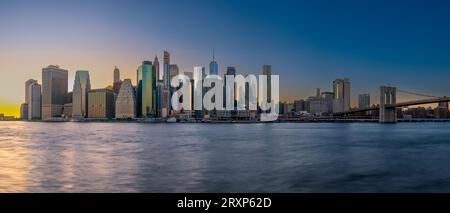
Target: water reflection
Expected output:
[130,157]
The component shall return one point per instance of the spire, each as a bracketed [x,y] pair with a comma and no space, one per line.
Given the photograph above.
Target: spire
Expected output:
[213,55]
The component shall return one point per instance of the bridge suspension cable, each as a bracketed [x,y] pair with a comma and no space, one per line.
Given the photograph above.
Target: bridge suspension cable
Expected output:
[415,93]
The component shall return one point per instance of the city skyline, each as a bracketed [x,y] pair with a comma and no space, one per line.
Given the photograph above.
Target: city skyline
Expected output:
[306,50]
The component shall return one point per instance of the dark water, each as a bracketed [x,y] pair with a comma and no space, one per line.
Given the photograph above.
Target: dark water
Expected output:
[286,157]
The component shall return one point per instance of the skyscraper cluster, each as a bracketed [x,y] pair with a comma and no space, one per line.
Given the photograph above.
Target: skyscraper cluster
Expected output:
[149,99]
[322,103]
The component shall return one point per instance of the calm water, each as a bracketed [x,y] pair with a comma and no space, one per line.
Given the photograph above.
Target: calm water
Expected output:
[286,157]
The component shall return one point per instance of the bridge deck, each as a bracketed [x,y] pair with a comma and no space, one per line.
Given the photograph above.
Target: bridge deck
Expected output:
[402,104]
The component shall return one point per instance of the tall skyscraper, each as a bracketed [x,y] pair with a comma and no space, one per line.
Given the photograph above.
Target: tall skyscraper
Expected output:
[166,75]
[54,91]
[117,82]
[27,85]
[160,107]
[228,88]
[101,104]
[34,101]
[156,69]
[116,75]
[126,101]
[341,90]
[24,106]
[139,92]
[81,88]
[267,70]
[213,66]
[166,82]
[148,89]
[199,75]
[190,95]
[363,101]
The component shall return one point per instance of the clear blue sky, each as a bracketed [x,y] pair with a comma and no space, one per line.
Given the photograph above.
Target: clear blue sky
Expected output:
[308,43]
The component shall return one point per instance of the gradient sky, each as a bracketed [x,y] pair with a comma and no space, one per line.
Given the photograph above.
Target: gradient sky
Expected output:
[308,43]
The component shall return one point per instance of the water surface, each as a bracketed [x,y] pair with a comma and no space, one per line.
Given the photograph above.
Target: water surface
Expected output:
[278,157]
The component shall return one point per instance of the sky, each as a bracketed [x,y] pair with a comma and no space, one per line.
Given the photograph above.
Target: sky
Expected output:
[308,43]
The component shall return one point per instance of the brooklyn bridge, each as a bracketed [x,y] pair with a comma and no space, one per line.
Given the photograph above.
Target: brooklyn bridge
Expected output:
[388,104]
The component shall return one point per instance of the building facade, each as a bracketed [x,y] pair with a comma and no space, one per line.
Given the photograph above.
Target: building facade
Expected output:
[126,101]
[81,88]
[54,91]
[101,104]
[148,90]
[341,90]
[363,101]
[34,101]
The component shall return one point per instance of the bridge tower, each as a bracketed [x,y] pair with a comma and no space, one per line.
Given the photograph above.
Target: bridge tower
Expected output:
[388,100]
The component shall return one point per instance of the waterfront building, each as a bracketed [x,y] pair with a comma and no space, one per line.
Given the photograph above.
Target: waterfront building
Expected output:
[24,111]
[126,101]
[138,91]
[67,110]
[315,105]
[101,104]
[34,101]
[81,88]
[327,101]
[24,106]
[54,91]
[27,85]
[341,90]
[148,90]
[363,101]
[299,105]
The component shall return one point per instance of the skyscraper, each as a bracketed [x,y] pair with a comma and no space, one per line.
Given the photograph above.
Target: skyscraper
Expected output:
[166,82]
[230,71]
[27,85]
[199,75]
[81,88]
[363,101]
[213,66]
[117,82]
[24,106]
[139,92]
[166,76]
[126,101]
[54,91]
[34,101]
[101,104]
[148,89]
[341,90]
[24,111]
[156,68]
[267,70]
[116,75]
